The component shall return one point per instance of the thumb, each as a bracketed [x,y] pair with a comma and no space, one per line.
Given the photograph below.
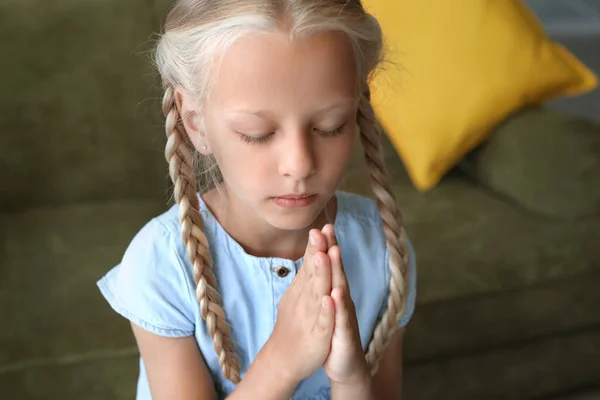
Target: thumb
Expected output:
[326,320]
[343,323]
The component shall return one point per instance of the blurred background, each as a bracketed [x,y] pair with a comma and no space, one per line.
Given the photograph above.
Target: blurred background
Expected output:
[508,241]
[576,25]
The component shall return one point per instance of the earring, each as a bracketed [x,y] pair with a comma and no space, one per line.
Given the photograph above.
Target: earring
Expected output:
[204,147]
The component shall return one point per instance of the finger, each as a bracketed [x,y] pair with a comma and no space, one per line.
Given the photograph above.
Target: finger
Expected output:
[322,278]
[326,320]
[329,234]
[316,242]
[338,275]
[343,324]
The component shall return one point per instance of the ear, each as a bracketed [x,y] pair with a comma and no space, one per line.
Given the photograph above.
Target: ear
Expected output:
[189,110]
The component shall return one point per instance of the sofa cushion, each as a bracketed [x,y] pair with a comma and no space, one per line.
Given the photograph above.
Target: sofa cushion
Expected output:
[50,260]
[543,160]
[501,318]
[109,377]
[534,369]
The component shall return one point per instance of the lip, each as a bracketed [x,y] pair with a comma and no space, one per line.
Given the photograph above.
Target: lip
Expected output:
[294,196]
[295,200]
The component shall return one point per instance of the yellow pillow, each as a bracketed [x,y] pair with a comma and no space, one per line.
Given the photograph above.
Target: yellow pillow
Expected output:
[458,68]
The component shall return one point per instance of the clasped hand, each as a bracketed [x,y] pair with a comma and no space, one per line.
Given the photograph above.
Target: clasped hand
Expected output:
[316,323]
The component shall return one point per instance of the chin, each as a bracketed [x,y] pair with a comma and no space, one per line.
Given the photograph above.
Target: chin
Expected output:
[292,221]
[293,218]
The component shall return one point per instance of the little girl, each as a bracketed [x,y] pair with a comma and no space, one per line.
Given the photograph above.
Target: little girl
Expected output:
[272,283]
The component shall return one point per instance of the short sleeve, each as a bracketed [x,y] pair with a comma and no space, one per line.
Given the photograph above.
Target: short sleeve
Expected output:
[149,286]
[411,296]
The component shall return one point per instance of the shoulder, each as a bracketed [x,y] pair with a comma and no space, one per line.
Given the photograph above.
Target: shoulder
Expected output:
[363,240]
[358,218]
[359,208]
[362,214]
[151,285]
[359,230]
[158,244]
[358,225]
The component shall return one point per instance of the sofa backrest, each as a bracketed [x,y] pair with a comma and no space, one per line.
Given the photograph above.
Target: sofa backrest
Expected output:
[79,102]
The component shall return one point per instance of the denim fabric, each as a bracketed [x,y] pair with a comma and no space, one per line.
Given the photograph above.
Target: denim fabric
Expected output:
[153,286]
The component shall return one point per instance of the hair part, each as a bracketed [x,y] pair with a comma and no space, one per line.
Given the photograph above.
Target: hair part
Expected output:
[197,33]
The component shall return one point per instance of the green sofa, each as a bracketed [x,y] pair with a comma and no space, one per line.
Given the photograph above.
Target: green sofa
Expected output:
[508,290]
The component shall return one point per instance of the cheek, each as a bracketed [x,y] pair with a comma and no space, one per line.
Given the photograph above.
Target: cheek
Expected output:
[336,155]
[233,156]
[241,164]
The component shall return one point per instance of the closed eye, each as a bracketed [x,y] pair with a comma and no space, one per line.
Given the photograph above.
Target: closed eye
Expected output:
[255,140]
[337,131]
[263,139]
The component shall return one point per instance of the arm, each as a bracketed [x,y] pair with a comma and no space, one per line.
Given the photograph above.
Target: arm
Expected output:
[360,389]
[387,382]
[176,370]
[174,366]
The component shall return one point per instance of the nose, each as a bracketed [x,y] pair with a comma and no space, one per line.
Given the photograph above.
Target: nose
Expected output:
[297,160]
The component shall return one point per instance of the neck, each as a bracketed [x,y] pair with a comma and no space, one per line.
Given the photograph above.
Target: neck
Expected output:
[254,234]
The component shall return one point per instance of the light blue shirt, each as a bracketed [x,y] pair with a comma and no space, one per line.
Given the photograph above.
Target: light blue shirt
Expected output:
[154,287]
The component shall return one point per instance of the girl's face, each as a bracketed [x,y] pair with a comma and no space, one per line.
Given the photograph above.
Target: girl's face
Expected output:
[281,121]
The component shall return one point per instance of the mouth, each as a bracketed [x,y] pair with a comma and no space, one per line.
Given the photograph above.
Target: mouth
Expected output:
[295,196]
[295,200]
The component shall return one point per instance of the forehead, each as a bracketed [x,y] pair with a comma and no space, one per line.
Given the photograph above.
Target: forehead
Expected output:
[269,69]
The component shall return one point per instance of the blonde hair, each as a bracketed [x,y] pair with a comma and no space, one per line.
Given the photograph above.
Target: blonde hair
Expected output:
[195,30]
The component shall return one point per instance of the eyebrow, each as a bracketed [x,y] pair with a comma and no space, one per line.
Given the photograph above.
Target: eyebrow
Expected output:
[342,103]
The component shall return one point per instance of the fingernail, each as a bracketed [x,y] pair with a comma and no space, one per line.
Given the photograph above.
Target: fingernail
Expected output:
[317,261]
[324,303]
[339,293]
[313,238]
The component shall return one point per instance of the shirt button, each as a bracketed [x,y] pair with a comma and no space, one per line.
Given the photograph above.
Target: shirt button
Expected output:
[282,272]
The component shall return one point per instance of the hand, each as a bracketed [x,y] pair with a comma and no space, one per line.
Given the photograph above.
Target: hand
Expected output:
[346,362]
[302,335]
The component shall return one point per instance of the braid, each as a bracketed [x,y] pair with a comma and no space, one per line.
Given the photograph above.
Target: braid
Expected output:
[394,232]
[179,156]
